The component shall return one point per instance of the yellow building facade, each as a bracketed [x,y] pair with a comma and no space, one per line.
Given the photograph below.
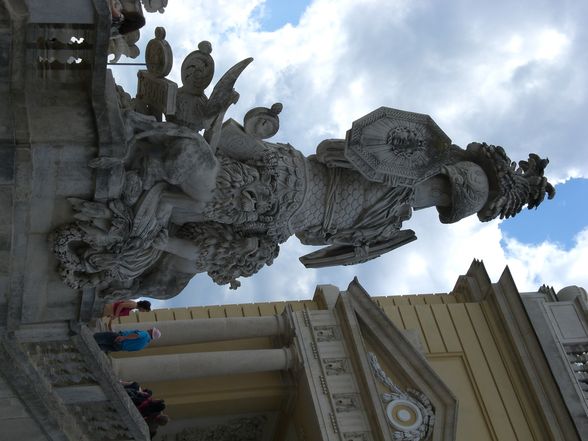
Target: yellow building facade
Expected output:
[466,365]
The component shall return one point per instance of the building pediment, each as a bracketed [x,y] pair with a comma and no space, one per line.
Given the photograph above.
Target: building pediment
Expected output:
[401,392]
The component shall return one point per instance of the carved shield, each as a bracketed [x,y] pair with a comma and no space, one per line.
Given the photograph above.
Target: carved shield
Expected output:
[396,147]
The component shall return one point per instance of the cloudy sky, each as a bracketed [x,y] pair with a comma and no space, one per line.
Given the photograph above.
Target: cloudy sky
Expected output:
[507,73]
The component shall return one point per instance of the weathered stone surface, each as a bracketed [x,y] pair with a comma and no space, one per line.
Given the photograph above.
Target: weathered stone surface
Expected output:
[61,11]
[6,200]
[5,42]
[6,164]
[62,105]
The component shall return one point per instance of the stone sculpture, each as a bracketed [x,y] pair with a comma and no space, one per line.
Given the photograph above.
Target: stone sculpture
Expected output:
[200,194]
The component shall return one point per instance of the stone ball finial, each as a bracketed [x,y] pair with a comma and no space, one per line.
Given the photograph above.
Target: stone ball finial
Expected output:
[261,122]
[160,32]
[205,47]
[276,108]
[570,293]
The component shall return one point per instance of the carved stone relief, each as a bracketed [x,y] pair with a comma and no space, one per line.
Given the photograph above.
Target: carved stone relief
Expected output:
[326,333]
[336,366]
[410,413]
[399,147]
[357,436]
[346,402]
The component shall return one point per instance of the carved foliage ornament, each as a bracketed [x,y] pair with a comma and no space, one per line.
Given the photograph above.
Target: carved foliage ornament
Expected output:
[410,413]
[511,187]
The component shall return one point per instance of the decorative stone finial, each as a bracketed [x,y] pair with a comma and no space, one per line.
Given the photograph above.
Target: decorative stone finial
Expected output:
[261,122]
[158,55]
[198,69]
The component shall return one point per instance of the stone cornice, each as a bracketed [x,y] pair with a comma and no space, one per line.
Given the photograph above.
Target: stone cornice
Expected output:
[510,323]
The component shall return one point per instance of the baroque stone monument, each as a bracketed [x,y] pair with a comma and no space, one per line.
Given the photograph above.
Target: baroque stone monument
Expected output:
[165,198]
[195,193]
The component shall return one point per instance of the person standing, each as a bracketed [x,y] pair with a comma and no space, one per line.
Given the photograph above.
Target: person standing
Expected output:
[131,340]
[123,308]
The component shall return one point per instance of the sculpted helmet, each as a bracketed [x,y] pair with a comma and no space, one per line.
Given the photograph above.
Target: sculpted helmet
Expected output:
[469,191]
[490,184]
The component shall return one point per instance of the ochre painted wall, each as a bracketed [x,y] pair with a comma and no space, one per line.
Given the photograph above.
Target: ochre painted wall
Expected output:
[467,352]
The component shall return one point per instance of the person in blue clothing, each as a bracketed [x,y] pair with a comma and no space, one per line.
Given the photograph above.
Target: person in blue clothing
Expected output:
[134,340]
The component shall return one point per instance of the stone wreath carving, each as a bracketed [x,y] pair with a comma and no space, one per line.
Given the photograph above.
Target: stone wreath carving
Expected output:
[201,194]
[410,413]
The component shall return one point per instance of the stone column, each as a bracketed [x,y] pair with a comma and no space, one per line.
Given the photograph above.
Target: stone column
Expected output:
[180,332]
[201,364]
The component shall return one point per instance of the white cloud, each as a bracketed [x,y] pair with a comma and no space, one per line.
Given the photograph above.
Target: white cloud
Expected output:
[508,75]
[549,263]
[551,44]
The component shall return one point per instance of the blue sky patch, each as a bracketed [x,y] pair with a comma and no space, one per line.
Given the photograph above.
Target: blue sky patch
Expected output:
[277,13]
[557,220]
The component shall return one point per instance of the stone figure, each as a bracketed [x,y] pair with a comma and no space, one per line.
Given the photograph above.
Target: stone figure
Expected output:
[223,200]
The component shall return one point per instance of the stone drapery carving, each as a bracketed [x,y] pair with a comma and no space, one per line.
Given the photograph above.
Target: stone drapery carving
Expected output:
[410,413]
[199,194]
